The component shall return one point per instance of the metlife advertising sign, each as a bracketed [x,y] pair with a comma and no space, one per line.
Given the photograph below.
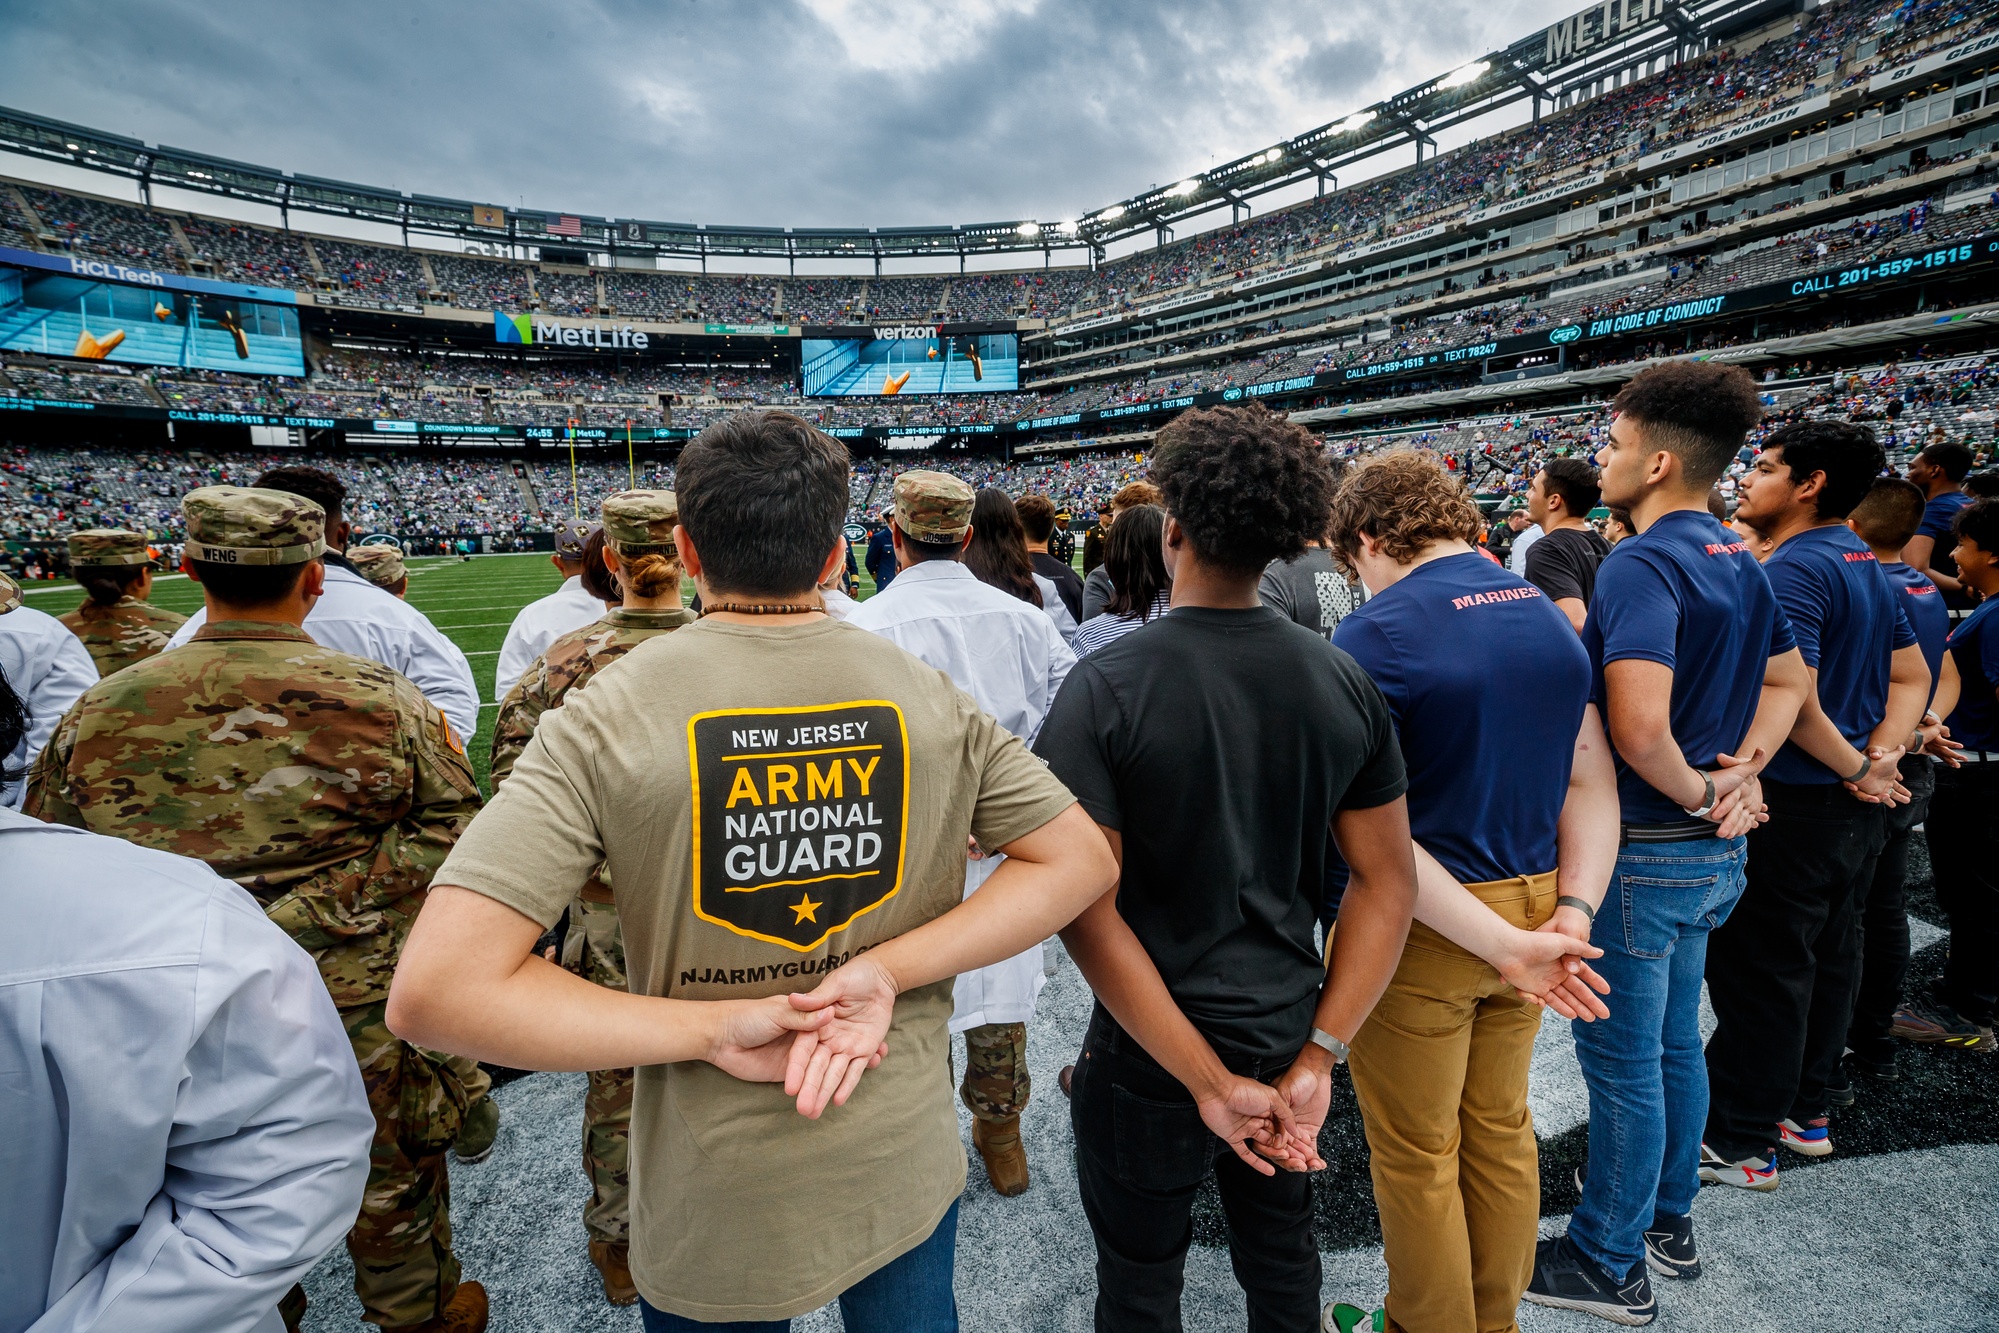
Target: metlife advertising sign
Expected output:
[536,331]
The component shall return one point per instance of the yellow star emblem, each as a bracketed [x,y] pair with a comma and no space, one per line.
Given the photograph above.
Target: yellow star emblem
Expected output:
[805,908]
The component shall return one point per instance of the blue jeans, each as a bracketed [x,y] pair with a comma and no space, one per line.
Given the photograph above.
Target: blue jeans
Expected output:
[1648,1092]
[911,1294]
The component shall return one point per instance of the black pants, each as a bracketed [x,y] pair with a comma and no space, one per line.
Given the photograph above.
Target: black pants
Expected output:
[1963,829]
[1884,920]
[1141,1153]
[1783,969]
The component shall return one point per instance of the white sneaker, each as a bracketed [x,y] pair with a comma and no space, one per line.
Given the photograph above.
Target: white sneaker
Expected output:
[1751,1173]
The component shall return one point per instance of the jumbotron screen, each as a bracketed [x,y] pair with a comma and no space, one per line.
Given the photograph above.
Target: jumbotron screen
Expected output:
[71,315]
[916,359]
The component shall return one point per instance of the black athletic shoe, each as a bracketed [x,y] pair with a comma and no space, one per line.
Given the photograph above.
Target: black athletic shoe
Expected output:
[1881,1071]
[1669,1247]
[1566,1279]
[1839,1089]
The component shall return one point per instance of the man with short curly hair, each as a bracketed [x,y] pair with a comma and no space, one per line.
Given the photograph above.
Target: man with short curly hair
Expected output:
[1215,746]
[1481,670]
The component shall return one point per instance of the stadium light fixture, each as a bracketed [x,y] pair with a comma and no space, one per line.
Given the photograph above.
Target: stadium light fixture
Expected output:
[1067,227]
[1028,229]
[1111,214]
[72,147]
[1354,122]
[1272,155]
[1471,73]
[1185,187]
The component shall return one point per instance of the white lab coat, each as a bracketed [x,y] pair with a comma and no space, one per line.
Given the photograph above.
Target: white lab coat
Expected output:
[839,606]
[186,1129]
[50,669]
[356,617]
[1011,659]
[1057,609]
[540,623]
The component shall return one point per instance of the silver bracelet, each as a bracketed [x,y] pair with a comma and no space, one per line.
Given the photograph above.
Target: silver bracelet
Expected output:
[1321,1037]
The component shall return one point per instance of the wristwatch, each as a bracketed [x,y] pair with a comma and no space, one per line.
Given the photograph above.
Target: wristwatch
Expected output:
[1707,796]
[1338,1048]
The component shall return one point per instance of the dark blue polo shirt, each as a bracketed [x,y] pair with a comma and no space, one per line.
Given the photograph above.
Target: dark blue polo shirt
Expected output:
[1487,683]
[1938,514]
[1688,594]
[1923,604]
[1974,645]
[1848,621]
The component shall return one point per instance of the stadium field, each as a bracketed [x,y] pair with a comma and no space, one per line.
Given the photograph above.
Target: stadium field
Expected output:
[1890,1230]
[472,601]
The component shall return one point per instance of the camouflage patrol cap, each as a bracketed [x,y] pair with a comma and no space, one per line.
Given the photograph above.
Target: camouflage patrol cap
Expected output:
[570,536]
[933,506]
[108,546]
[10,593]
[640,518]
[245,525]
[380,563]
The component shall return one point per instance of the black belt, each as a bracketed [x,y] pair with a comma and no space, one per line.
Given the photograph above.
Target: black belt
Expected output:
[1679,830]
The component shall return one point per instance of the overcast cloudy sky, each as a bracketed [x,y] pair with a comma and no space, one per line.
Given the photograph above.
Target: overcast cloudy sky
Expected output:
[786,112]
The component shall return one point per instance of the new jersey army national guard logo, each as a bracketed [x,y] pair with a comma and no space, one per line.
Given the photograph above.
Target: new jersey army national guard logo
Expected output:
[800,817]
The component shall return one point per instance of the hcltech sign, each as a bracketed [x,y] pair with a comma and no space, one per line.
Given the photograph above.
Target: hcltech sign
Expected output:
[527,331]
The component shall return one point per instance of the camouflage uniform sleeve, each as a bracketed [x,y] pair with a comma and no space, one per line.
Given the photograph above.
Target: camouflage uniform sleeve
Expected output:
[443,798]
[520,714]
[46,795]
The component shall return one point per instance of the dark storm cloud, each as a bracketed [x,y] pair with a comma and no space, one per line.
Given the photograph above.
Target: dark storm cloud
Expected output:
[807,112]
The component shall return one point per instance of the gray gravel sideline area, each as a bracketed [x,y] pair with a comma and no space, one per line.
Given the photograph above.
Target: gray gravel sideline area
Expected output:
[1898,1238]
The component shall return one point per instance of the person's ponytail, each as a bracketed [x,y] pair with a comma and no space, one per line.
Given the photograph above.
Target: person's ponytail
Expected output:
[649,572]
[106,584]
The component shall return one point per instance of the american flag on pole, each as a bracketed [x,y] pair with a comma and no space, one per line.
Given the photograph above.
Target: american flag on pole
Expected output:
[565,226]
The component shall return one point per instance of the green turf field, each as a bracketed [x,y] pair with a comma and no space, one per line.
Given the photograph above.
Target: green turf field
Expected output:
[472,602]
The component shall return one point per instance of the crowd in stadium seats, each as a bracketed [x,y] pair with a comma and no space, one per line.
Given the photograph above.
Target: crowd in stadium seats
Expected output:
[1620,124]
[45,493]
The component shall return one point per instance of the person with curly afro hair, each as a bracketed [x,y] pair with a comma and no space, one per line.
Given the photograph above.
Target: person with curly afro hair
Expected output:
[1214,746]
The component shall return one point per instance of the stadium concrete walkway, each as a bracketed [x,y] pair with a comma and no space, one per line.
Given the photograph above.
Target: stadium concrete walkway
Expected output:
[1896,1239]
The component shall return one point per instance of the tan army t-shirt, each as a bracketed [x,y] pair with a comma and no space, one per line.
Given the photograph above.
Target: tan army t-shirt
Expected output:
[771,800]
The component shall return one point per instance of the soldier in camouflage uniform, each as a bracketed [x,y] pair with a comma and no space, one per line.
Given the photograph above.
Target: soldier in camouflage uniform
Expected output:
[638,542]
[382,565]
[116,622]
[330,789]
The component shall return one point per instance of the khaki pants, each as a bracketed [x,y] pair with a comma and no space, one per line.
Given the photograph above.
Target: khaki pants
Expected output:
[1440,1069]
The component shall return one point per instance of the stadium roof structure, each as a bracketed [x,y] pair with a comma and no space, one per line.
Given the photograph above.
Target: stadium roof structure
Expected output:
[1591,47]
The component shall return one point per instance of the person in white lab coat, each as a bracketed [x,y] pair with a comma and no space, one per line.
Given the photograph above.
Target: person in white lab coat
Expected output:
[354,616]
[50,669]
[186,1129]
[546,619]
[1010,658]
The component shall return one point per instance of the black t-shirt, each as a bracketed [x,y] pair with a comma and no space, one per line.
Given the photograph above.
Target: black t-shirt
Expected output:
[1563,563]
[1220,744]
[1066,581]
